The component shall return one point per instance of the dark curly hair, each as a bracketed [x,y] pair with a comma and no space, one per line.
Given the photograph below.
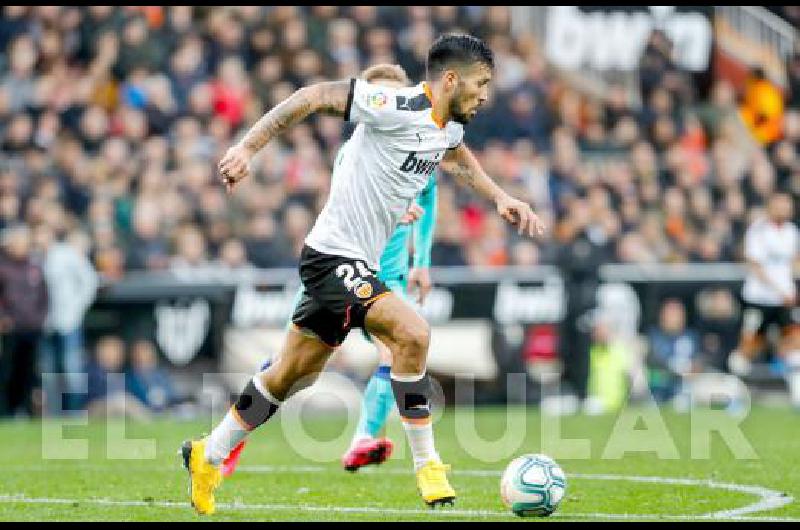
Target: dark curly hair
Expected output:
[452,49]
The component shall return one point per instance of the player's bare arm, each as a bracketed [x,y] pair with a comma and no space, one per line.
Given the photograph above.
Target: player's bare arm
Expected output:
[329,98]
[465,168]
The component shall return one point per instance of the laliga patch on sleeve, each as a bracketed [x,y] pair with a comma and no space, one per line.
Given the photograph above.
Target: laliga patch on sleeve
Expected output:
[377,100]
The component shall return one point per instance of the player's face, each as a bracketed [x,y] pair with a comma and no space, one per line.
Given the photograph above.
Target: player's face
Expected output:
[471,92]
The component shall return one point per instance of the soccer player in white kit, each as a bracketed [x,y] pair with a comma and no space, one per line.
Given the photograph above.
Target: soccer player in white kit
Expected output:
[771,248]
[407,133]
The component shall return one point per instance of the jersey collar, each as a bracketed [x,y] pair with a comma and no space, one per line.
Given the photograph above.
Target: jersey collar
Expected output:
[427,89]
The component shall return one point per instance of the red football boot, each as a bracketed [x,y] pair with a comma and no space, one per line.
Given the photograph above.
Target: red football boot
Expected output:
[367,451]
[230,463]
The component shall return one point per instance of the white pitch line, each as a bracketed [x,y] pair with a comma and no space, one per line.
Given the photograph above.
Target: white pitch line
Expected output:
[769,499]
[241,506]
[446,512]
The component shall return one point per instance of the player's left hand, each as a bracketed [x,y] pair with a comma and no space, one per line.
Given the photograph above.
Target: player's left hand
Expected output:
[420,279]
[519,214]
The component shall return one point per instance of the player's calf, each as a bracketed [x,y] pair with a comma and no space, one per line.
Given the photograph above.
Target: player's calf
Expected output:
[409,345]
[407,335]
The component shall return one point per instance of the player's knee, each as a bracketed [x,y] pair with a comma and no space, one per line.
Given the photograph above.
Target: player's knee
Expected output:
[415,337]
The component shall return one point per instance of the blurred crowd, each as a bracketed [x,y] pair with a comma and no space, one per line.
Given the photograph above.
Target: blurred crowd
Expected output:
[112,120]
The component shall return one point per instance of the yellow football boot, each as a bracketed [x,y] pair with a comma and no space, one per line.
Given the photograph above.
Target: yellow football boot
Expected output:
[433,485]
[204,478]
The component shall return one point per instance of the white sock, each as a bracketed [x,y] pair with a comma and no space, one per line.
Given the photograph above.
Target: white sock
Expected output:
[420,439]
[230,431]
[225,436]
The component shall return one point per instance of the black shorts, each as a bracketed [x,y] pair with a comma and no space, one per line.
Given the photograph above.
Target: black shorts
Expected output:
[757,318]
[336,296]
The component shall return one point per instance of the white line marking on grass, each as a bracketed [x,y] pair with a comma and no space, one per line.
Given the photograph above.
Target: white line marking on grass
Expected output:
[445,512]
[240,506]
[769,499]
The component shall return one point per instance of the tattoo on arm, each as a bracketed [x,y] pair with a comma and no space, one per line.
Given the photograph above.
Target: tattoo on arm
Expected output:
[329,97]
[465,169]
[462,173]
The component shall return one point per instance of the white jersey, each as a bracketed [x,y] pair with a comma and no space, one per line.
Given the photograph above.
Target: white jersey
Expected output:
[775,248]
[385,165]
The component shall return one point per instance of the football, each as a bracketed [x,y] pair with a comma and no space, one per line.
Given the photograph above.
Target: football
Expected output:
[533,485]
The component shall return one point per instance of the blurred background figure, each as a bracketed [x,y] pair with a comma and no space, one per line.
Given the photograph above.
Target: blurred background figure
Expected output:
[71,285]
[582,252]
[772,250]
[147,381]
[192,250]
[23,309]
[107,396]
[674,351]
[718,325]
[762,108]
[233,256]
[610,361]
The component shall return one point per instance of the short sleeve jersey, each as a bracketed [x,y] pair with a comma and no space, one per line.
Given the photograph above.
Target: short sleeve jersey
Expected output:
[396,147]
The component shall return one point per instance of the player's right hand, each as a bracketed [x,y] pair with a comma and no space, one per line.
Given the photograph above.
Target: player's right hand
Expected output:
[235,165]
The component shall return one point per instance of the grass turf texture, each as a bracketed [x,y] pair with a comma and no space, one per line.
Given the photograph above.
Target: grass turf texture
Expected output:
[283,478]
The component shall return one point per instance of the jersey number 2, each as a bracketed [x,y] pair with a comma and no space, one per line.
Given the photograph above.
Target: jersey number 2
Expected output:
[350,279]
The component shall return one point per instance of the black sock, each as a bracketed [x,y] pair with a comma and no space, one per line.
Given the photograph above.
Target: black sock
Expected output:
[253,407]
[413,397]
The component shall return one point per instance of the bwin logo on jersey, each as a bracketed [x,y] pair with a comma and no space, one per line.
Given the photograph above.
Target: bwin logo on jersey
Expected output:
[419,166]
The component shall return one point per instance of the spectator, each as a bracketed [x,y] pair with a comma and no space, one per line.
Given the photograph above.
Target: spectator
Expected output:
[139,49]
[674,351]
[718,325]
[264,247]
[191,246]
[609,364]
[71,285]
[107,396]
[233,255]
[23,308]
[19,83]
[148,249]
[148,382]
[579,260]
[762,108]
[128,134]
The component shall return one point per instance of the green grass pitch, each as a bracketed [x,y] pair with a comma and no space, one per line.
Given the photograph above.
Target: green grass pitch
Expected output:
[292,472]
